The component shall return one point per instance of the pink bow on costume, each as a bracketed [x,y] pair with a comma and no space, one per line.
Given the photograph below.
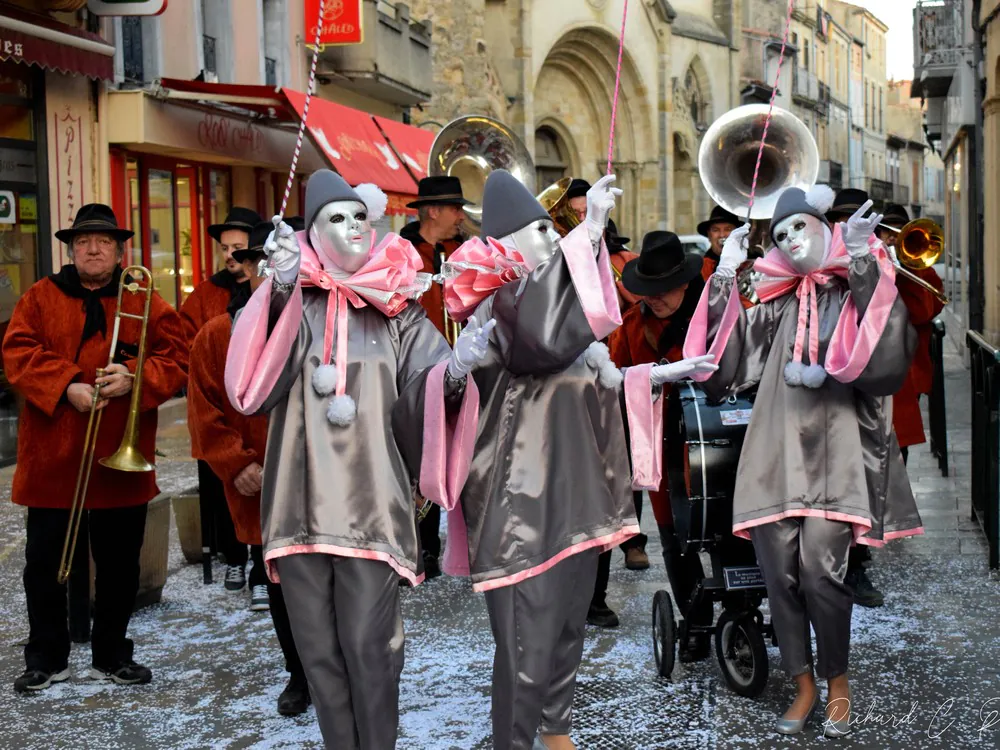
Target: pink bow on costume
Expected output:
[387,281]
[476,270]
[781,278]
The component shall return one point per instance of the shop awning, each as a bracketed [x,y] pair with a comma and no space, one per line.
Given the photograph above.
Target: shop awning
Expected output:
[349,138]
[412,145]
[38,40]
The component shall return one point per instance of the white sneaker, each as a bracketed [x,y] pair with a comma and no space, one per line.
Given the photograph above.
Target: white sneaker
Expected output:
[259,600]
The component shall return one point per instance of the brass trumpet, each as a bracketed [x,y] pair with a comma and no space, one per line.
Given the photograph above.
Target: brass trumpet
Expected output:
[127,457]
[553,200]
[919,245]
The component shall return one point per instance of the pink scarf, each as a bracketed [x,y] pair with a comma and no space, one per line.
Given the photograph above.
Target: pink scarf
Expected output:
[476,270]
[781,278]
[387,281]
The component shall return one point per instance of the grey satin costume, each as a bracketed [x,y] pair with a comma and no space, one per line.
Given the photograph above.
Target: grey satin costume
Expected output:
[824,451]
[549,477]
[334,494]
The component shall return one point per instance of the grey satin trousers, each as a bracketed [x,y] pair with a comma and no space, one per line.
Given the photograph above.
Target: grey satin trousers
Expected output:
[538,625]
[348,631]
[804,561]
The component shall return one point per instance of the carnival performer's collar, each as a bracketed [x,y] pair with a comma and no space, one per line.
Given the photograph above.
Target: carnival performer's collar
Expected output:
[389,279]
[476,270]
[777,277]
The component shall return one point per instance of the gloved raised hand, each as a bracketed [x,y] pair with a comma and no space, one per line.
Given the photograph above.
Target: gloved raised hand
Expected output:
[600,202]
[470,348]
[675,371]
[858,229]
[734,252]
[283,250]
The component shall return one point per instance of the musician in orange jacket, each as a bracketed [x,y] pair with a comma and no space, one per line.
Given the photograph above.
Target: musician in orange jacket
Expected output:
[59,335]
[669,282]
[233,446]
[717,228]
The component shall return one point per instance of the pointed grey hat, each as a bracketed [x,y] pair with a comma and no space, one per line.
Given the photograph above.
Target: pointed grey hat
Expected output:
[795,200]
[326,186]
[507,206]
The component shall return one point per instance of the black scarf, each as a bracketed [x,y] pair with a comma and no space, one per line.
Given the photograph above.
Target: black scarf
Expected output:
[225,280]
[68,281]
[238,299]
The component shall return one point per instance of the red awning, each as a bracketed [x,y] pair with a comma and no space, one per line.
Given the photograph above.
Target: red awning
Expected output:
[354,145]
[412,145]
[38,40]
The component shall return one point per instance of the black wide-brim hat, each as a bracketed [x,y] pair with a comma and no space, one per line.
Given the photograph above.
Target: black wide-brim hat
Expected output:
[94,218]
[719,216]
[662,265]
[577,188]
[438,191]
[847,202]
[255,246]
[244,219]
[895,216]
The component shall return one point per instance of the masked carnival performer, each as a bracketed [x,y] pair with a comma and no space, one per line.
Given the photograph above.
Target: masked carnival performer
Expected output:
[233,446]
[820,469]
[549,486]
[325,346]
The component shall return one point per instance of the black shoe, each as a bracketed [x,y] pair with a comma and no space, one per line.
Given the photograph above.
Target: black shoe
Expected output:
[432,569]
[865,594]
[128,673]
[602,617]
[35,680]
[294,699]
[236,578]
[697,648]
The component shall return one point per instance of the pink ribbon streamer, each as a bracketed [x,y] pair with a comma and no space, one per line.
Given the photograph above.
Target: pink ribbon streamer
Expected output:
[618,79]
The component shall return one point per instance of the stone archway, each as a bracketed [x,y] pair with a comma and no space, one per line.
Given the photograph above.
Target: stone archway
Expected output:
[685,175]
[574,89]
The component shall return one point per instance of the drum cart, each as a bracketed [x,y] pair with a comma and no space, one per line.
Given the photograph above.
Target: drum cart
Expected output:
[703,440]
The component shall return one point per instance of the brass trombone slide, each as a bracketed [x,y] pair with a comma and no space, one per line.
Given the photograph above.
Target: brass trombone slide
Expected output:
[919,244]
[127,457]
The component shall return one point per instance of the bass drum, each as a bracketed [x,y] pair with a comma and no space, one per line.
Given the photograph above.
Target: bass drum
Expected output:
[703,443]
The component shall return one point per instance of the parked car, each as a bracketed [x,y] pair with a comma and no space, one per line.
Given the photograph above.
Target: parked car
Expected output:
[695,243]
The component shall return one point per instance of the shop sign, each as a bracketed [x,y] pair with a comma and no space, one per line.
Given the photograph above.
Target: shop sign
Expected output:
[69,166]
[222,134]
[17,165]
[341,23]
[126,7]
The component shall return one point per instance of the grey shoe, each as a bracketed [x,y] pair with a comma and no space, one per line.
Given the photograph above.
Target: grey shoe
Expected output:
[794,726]
[836,729]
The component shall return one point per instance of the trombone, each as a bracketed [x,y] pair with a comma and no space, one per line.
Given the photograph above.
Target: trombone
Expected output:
[127,457]
[919,244]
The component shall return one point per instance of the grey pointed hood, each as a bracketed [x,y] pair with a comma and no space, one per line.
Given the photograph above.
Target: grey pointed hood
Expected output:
[326,186]
[508,206]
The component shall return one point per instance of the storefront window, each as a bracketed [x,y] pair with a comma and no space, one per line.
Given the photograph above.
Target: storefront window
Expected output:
[187,223]
[161,234]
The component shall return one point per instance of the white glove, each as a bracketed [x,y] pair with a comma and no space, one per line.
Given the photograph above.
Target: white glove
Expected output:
[734,252]
[283,250]
[675,371]
[858,229]
[600,202]
[470,349]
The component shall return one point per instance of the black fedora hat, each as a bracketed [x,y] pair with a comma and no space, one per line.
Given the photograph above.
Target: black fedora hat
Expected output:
[719,216]
[846,203]
[255,246]
[244,219]
[577,188]
[895,216]
[94,218]
[441,190]
[662,265]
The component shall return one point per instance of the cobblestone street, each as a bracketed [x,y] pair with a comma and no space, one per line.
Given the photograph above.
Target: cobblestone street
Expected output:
[924,666]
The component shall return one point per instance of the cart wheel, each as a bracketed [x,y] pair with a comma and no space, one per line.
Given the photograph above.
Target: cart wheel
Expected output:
[739,645]
[664,633]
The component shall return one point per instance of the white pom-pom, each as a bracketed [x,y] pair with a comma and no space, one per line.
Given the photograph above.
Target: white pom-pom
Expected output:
[821,197]
[610,376]
[325,379]
[793,373]
[597,354]
[374,199]
[813,376]
[342,410]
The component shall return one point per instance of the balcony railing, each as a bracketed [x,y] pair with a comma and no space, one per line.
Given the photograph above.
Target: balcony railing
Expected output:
[831,173]
[132,49]
[880,191]
[901,194]
[805,85]
[938,45]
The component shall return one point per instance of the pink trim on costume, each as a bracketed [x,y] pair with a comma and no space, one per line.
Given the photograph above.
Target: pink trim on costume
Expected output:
[645,420]
[608,540]
[333,549]
[475,271]
[696,342]
[456,546]
[255,360]
[861,525]
[593,280]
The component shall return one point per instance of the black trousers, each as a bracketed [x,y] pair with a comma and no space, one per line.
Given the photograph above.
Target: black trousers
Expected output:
[115,541]
[283,629]
[604,560]
[430,531]
[258,573]
[639,540]
[212,492]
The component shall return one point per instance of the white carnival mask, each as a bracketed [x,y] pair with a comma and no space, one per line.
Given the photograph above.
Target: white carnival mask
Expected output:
[342,234]
[536,242]
[803,240]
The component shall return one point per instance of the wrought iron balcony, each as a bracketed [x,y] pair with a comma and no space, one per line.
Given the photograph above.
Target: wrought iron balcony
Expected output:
[831,173]
[938,46]
[880,191]
[393,63]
